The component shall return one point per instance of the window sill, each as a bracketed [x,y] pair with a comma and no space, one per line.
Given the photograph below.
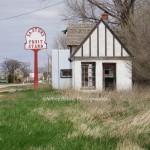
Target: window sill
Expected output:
[88,88]
[65,77]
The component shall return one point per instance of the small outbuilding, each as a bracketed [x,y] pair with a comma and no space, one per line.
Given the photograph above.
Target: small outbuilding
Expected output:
[98,58]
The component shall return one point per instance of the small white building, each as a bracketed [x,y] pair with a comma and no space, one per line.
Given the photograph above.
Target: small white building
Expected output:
[100,61]
[30,78]
[61,69]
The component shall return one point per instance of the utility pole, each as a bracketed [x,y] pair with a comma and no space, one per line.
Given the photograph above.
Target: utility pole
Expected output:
[14,74]
[48,74]
[58,68]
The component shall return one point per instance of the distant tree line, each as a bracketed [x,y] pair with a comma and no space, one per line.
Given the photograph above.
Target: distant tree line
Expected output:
[14,70]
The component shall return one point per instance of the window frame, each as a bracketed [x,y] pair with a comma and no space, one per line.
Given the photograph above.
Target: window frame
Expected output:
[88,72]
[111,74]
[61,73]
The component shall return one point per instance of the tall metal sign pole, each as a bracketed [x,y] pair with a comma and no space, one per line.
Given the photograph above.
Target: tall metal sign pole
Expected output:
[35,69]
[35,40]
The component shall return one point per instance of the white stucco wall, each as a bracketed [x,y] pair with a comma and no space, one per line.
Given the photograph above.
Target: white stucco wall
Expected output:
[74,48]
[86,48]
[94,44]
[63,63]
[101,40]
[110,43]
[123,74]
[76,75]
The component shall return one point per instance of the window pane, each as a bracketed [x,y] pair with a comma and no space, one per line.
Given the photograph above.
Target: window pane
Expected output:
[66,73]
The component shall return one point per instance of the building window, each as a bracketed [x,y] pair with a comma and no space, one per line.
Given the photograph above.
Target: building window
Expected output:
[66,73]
[88,74]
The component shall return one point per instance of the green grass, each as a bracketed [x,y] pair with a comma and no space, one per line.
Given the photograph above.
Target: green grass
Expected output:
[27,122]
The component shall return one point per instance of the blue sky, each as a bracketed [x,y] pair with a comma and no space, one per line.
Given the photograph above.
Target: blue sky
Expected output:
[13,30]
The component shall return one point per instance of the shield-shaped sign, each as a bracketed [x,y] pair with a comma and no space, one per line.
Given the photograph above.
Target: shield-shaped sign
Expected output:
[35,39]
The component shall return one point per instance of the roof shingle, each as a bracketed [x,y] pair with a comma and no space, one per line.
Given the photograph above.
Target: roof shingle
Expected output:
[77,33]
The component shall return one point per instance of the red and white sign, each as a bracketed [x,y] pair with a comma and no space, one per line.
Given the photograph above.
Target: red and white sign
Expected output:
[35,39]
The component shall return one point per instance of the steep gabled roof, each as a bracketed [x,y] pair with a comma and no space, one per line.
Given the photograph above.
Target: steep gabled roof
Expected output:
[92,31]
[77,33]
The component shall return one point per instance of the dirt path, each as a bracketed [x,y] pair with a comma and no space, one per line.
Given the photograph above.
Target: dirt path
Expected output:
[12,87]
[15,85]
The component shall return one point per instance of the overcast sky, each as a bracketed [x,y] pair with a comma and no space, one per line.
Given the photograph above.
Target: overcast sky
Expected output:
[13,31]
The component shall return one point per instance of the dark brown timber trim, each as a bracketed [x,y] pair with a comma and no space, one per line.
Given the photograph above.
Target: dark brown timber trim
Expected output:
[102,58]
[70,50]
[113,46]
[105,41]
[82,51]
[90,46]
[121,51]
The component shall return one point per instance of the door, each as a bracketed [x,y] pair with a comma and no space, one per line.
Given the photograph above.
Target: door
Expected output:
[109,76]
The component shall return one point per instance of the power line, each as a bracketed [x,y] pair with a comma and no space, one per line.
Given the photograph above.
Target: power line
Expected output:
[42,2]
[31,12]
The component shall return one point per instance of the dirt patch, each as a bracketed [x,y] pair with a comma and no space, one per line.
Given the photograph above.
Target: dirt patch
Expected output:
[8,91]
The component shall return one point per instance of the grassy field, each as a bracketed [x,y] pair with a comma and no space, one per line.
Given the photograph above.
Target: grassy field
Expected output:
[66,120]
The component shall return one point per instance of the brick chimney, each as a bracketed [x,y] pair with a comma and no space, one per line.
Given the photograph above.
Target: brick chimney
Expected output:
[105,17]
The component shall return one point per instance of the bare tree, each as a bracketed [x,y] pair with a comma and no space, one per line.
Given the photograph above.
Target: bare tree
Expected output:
[24,67]
[80,10]
[89,10]
[121,10]
[137,38]
[10,65]
[60,41]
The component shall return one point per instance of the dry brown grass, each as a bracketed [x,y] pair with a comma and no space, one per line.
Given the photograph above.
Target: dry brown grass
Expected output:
[48,114]
[136,92]
[48,148]
[124,114]
[81,120]
[44,86]
[140,122]
[128,145]
[1,95]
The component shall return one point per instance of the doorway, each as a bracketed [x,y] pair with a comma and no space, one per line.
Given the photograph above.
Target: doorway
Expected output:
[109,76]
